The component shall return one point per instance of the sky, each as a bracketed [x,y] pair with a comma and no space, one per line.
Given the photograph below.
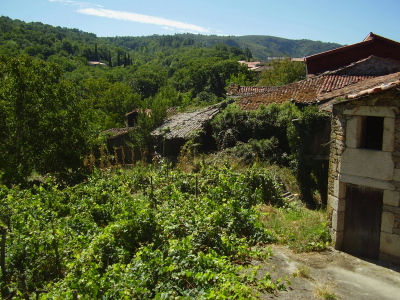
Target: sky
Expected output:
[339,21]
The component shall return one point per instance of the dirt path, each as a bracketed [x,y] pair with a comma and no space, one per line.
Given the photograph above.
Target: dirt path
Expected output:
[331,273]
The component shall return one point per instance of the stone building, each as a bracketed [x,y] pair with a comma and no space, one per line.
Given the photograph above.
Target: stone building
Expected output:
[179,128]
[337,58]
[364,173]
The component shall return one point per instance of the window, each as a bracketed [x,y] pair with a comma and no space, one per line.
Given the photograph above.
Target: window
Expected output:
[371,135]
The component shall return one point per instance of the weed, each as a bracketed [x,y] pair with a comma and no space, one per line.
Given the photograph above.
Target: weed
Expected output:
[303,272]
[325,291]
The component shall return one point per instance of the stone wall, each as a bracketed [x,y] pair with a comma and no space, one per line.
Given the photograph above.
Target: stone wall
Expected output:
[372,66]
[371,168]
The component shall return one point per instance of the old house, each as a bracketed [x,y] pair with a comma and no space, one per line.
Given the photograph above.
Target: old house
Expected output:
[118,140]
[364,172]
[181,127]
[119,150]
[337,58]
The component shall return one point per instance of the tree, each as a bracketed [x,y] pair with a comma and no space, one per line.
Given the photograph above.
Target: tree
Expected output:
[41,125]
[283,72]
[109,59]
[206,74]
[147,80]
[248,54]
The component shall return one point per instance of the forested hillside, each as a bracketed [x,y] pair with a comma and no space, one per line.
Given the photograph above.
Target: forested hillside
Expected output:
[40,39]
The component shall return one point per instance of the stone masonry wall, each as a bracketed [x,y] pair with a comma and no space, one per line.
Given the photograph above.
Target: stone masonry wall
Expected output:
[387,105]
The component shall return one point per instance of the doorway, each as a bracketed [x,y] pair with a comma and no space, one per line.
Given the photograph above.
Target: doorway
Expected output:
[362,221]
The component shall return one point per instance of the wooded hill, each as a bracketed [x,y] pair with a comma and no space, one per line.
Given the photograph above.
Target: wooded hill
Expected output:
[37,39]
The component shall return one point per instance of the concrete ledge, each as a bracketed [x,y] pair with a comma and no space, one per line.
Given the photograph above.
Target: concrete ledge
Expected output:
[367,182]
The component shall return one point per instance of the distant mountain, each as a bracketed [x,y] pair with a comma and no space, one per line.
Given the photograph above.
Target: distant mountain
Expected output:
[261,46]
[43,40]
[264,46]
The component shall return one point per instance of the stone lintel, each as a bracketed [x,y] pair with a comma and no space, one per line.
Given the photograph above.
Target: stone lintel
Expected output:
[367,182]
[376,111]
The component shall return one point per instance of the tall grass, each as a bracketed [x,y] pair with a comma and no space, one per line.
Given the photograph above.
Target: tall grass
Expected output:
[298,227]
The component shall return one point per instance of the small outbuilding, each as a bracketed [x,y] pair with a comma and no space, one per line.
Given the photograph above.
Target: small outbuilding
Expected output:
[364,173]
[181,127]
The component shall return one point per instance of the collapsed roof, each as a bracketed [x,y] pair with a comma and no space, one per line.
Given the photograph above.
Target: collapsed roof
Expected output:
[182,125]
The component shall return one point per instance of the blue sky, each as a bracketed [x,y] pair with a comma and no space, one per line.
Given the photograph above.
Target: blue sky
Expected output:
[339,21]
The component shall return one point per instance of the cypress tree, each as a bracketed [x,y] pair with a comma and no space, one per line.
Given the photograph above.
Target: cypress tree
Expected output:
[96,53]
[109,59]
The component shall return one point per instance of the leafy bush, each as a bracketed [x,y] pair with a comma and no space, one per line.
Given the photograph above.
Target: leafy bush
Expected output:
[146,233]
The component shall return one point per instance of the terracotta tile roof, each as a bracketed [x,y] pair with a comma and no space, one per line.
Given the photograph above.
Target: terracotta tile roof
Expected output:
[306,91]
[375,90]
[370,86]
[182,124]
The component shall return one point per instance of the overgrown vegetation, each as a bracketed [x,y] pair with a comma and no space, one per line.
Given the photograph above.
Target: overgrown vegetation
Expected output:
[144,233]
[278,134]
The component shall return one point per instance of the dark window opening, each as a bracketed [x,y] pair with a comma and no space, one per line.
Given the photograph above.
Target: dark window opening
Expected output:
[371,133]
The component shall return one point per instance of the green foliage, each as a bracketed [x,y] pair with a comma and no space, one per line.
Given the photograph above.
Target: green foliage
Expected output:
[266,150]
[207,74]
[311,174]
[282,134]
[283,72]
[42,127]
[273,122]
[247,79]
[147,233]
[108,103]
[147,80]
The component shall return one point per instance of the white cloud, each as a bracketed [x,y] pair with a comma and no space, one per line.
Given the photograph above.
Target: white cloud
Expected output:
[133,17]
[76,3]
